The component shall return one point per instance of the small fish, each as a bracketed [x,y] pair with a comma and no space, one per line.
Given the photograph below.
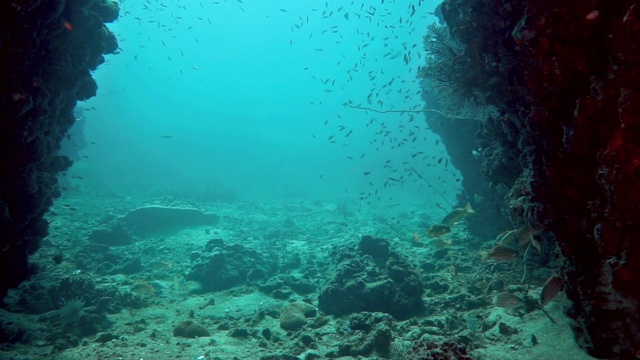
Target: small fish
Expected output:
[457,215]
[166,136]
[438,230]
[507,300]
[550,290]
[506,237]
[415,237]
[500,253]
[525,234]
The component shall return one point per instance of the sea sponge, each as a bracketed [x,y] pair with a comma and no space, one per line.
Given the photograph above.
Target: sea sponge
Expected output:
[190,329]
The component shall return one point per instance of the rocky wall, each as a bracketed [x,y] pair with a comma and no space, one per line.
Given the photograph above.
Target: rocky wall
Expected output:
[48,50]
[565,77]
[464,141]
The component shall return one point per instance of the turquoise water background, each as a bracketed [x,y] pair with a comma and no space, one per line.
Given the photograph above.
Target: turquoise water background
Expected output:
[214,100]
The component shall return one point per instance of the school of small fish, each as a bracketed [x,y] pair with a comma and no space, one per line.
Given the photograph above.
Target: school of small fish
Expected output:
[377,24]
[368,19]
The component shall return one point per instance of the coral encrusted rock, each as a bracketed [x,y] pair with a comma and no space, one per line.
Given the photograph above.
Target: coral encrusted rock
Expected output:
[190,330]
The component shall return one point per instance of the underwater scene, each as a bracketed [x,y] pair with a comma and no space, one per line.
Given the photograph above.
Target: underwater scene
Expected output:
[282,180]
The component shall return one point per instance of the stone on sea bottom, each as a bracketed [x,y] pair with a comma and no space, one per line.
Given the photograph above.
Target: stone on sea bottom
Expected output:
[190,330]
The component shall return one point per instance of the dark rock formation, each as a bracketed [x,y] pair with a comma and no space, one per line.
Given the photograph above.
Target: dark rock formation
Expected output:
[68,310]
[48,49]
[564,78]
[190,330]
[460,137]
[360,283]
[456,94]
[371,334]
[38,298]
[152,219]
[220,266]
[296,315]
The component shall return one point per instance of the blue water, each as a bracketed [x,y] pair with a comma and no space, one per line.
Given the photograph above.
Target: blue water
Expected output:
[227,100]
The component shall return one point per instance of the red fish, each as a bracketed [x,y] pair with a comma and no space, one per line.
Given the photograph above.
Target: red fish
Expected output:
[500,253]
[438,230]
[550,290]
[506,237]
[525,235]
[507,300]
[457,215]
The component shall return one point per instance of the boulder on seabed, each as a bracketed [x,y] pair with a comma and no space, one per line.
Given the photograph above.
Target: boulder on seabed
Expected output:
[150,219]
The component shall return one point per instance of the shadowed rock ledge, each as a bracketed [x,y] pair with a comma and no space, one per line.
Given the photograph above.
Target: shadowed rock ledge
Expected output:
[48,50]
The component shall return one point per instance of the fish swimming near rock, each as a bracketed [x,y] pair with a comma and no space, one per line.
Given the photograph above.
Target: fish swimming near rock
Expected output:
[550,290]
[438,230]
[506,237]
[507,300]
[457,215]
[500,253]
[525,236]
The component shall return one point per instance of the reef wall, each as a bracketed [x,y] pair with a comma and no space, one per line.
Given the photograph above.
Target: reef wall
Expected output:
[48,50]
[565,79]
[461,138]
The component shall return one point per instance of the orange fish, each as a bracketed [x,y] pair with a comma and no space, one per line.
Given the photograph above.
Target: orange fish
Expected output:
[507,300]
[438,230]
[550,290]
[500,253]
[525,235]
[506,237]
[457,215]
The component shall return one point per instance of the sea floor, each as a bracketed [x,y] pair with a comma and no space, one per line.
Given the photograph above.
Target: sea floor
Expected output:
[124,301]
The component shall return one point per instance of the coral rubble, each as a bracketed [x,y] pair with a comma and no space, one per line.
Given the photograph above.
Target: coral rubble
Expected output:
[374,280]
